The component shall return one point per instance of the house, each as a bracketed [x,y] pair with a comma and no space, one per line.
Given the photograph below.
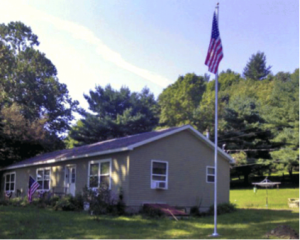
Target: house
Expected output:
[172,166]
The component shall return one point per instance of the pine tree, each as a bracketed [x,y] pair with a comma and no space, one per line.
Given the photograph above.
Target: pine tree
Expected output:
[256,67]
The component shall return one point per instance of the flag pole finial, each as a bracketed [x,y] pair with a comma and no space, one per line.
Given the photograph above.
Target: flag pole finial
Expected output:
[217,6]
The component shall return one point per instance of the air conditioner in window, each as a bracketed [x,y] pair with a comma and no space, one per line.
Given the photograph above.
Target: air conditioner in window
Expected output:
[160,185]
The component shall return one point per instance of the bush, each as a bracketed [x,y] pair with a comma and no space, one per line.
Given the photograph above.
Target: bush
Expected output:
[102,201]
[195,211]
[4,202]
[16,201]
[52,201]
[222,208]
[65,204]
[78,201]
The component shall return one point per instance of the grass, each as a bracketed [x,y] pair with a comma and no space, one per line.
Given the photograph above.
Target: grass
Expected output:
[277,198]
[31,222]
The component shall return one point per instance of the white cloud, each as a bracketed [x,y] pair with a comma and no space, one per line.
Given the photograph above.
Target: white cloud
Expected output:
[82,33]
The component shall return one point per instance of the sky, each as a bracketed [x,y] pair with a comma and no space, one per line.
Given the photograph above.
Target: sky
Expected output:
[141,43]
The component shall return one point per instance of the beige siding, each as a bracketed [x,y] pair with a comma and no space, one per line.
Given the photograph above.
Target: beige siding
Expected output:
[187,158]
[120,166]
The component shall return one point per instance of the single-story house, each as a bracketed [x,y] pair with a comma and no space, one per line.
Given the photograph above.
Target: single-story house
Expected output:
[172,166]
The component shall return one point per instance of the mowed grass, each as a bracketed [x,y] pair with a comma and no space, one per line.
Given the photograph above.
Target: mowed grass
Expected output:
[27,223]
[277,198]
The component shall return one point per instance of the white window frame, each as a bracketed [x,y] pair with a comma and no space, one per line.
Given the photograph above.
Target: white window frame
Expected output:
[210,174]
[37,180]
[153,182]
[99,173]
[10,173]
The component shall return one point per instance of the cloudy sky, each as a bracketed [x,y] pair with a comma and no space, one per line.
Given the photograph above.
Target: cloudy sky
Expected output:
[138,43]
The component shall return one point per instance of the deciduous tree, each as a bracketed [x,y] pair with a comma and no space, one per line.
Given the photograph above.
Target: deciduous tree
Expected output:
[36,108]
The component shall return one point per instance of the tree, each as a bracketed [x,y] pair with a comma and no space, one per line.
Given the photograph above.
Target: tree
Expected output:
[256,67]
[282,115]
[36,109]
[179,100]
[243,131]
[115,114]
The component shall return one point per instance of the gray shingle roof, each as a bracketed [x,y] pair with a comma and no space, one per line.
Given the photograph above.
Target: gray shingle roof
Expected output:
[111,146]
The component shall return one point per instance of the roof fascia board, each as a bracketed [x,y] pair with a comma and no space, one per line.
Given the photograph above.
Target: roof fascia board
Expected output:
[157,137]
[68,158]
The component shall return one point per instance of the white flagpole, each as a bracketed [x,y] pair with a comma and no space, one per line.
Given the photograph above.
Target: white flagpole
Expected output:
[215,234]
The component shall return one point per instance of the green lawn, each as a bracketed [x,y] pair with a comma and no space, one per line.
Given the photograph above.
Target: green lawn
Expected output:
[277,198]
[32,222]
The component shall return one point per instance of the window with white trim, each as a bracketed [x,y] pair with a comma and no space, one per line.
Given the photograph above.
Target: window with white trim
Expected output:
[159,174]
[10,182]
[210,174]
[43,179]
[99,174]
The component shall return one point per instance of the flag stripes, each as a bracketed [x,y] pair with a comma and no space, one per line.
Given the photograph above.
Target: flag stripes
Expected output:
[33,186]
[215,49]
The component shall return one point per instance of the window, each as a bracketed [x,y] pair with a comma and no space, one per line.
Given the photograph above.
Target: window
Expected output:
[10,182]
[159,174]
[73,175]
[210,174]
[100,174]
[43,178]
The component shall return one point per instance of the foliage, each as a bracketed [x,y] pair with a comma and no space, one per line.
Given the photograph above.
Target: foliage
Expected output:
[115,114]
[65,204]
[283,119]
[102,201]
[179,100]
[258,115]
[222,208]
[194,211]
[240,158]
[256,67]
[31,120]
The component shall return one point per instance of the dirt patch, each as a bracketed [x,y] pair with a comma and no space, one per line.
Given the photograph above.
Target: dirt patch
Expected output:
[283,231]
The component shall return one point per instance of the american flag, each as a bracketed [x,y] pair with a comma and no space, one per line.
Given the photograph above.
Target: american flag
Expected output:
[215,50]
[33,186]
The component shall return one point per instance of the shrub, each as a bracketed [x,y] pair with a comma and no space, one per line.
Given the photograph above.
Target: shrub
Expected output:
[195,211]
[222,208]
[4,202]
[78,201]
[16,201]
[52,201]
[102,201]
[65,204]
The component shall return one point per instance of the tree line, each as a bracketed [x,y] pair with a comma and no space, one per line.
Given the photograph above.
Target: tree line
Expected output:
[258,111]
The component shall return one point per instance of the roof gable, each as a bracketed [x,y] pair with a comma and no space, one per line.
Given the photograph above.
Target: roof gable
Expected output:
[111,146]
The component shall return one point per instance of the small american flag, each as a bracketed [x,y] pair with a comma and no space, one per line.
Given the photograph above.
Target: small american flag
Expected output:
[33,186]
[215,50]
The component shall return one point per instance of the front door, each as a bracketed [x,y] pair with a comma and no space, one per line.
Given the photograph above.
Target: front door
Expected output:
[71,179]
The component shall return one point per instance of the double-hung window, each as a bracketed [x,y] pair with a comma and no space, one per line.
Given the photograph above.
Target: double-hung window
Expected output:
[43,178]
[10,182]
[159,174]
[99,174]
[210,174]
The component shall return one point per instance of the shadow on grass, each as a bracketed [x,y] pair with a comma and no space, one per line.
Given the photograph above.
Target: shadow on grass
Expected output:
[16,222]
